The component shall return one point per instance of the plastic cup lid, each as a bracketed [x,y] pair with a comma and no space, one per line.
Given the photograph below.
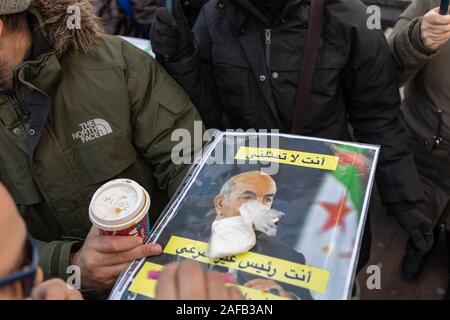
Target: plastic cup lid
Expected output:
[117,202]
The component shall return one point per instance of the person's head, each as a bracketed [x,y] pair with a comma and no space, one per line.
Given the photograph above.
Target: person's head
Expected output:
[15,37]
[65,25]
[17,261]
[254,185]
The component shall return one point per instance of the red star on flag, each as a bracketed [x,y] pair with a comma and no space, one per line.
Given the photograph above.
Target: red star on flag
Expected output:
[336,213]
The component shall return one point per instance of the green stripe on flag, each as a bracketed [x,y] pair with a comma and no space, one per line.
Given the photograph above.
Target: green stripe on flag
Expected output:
[350,175]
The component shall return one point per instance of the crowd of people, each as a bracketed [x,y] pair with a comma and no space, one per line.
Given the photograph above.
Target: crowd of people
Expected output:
[234,64]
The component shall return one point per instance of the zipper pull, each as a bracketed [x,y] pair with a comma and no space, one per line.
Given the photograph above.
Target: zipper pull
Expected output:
[268,36]
[268,45]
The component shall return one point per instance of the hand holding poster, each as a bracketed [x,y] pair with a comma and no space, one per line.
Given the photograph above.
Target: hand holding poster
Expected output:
[285,218]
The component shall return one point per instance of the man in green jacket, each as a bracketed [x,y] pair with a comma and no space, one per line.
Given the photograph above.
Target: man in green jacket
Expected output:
[77,109]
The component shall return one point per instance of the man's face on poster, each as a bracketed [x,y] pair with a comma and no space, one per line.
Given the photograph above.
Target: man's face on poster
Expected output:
[243,188]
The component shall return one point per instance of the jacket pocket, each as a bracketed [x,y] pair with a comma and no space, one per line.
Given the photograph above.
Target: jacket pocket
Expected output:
[331,57]
[18,179]
[231,79]
[170,100]
[429,160]
[330,62]
[237,91]
[104,159]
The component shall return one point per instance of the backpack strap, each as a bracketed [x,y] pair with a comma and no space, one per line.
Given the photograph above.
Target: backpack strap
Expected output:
[309,63]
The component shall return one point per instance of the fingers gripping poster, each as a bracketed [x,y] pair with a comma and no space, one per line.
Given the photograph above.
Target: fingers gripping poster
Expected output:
[283,214]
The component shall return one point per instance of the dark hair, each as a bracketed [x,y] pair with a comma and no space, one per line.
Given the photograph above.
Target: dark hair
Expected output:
[16,21]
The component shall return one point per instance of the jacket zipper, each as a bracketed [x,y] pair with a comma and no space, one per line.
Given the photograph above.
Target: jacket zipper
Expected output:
[437,137]
[268,47]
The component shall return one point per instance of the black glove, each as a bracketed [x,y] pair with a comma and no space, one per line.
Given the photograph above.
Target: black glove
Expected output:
[171,36]
[416,225]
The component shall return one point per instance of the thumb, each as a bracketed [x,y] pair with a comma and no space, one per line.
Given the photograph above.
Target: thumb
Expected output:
[155,249]
[163,15]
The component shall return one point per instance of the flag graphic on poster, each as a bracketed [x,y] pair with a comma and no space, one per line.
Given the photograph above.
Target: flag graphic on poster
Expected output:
[330,230]
[316,194]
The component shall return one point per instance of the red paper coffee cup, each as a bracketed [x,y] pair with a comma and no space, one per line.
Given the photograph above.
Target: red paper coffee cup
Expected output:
[120,208]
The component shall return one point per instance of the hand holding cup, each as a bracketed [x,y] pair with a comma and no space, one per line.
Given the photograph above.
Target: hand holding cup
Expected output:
[103,258]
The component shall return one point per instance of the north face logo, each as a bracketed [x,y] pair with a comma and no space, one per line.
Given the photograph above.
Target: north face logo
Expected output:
[92,130]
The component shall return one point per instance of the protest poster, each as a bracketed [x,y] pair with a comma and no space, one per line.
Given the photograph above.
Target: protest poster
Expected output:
[320,190]
[142,44]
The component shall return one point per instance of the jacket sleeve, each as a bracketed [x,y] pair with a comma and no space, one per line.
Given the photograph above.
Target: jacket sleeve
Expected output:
[54,257]
[196,75]
[406,43]
[159,108]
[373,102]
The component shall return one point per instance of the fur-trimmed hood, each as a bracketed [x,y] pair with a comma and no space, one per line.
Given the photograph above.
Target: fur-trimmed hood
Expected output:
[57,18]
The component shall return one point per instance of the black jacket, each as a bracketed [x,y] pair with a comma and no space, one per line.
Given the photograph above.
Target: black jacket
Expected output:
[245,74]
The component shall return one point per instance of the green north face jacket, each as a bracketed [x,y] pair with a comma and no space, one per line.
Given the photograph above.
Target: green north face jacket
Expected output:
[75,121]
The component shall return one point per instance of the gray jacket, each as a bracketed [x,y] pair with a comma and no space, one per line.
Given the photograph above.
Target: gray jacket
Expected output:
[424,73]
